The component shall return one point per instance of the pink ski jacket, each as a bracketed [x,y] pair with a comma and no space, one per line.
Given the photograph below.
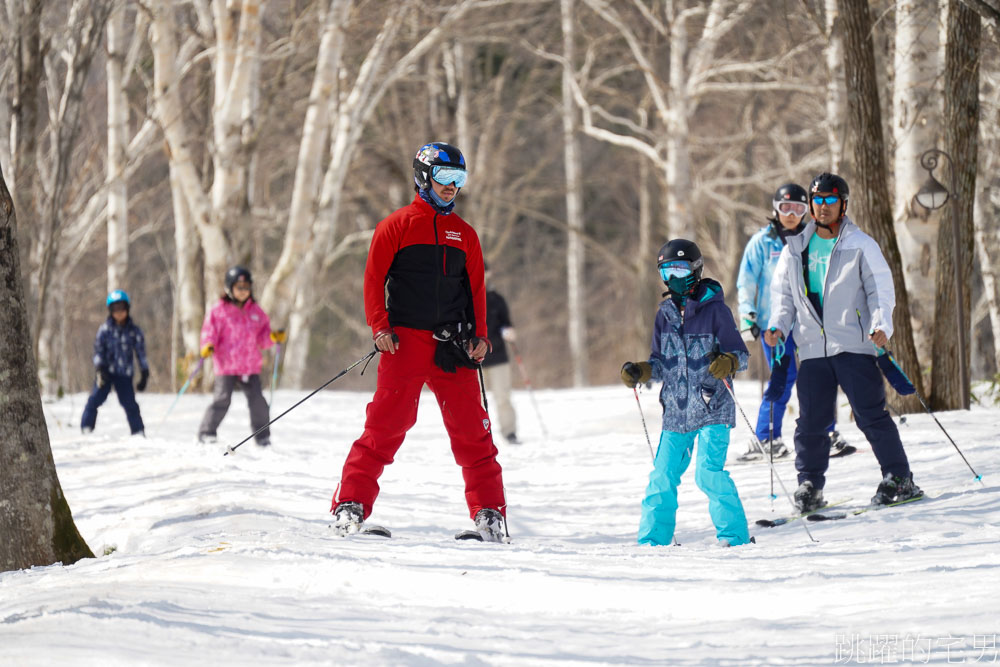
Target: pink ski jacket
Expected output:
[238,335]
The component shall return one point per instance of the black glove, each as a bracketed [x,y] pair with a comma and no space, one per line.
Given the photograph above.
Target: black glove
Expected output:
[103,377]
[749,329]
[143,379]
[723,365]
[636,373]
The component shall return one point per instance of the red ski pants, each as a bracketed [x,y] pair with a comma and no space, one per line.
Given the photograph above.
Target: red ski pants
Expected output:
[393,411]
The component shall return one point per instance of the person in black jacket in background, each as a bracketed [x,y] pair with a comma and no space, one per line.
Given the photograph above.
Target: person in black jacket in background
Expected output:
[496,365]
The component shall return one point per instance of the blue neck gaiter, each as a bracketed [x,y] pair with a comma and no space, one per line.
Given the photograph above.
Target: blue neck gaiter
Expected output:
[438,204]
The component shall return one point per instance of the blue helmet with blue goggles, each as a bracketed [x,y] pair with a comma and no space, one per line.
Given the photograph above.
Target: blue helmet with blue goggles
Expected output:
[680,265]
[440,161]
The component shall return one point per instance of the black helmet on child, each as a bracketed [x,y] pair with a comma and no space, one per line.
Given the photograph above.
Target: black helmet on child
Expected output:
[827,182]
[682,250]
[789,192]
[233,276]
[435,154]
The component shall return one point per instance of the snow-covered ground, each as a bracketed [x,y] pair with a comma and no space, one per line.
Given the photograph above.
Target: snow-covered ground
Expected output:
[230,560]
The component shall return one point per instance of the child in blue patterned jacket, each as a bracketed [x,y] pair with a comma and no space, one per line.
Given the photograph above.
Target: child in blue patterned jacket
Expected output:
[118,340]
[696,345]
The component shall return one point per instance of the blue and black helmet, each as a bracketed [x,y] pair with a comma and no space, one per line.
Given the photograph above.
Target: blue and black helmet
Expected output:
[435,154]
[117,296]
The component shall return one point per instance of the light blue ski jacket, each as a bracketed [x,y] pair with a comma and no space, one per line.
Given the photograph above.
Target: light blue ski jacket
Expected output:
[753,284]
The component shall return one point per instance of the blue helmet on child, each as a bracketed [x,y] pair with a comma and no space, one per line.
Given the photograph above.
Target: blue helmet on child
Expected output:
[117,296]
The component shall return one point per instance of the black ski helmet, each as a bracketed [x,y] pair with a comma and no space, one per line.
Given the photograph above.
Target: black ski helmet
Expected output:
[682,249]
[788,192]
[827,182]
[436,153]
[233,275]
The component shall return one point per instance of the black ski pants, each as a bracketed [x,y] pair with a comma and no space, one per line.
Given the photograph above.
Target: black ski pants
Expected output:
[861,380]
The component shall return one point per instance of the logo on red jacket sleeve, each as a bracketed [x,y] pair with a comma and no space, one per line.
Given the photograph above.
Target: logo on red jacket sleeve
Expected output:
[453,235]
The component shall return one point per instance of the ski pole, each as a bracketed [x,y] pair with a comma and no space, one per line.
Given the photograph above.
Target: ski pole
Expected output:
[527,384]
[774,472]
[367,357]
[274,373]
[909,387]
[644,429]
[197,369]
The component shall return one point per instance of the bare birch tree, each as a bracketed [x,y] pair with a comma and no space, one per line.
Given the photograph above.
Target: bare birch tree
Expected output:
[987,204]
[289,294]
[916,126]
[117,140]
[576,324]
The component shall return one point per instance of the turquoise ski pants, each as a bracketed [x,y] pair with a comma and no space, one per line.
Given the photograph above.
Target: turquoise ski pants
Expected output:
[659,507]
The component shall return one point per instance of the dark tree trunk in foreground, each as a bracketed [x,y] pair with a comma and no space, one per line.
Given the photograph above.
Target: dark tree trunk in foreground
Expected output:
[36,526]
[961,121]
[870,200]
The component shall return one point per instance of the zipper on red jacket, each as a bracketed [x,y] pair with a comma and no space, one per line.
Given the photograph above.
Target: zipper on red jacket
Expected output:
[437,276]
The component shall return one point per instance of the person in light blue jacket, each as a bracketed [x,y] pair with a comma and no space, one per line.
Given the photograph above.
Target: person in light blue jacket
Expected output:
[760,257]
[695,347]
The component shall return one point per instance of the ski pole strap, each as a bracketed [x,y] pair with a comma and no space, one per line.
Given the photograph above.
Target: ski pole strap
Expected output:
[779,352]
[892,372]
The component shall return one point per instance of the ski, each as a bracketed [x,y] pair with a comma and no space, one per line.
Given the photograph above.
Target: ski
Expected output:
[469,535]
[845,451]
[364,529]
[476,536]
[819,516]
[781,521]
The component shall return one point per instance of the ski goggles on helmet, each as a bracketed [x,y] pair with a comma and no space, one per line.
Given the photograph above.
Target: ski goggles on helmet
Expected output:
[829,200]
[675,269]
[449,175]
[790,207]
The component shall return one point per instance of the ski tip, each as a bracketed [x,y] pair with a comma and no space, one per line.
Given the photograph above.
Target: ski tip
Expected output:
[469,535]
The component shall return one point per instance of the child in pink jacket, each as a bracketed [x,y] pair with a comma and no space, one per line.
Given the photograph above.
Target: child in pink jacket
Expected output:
[235,331]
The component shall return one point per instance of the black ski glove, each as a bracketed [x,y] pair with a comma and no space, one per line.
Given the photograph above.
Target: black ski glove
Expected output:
[143,379]
[103,377]
[636,373]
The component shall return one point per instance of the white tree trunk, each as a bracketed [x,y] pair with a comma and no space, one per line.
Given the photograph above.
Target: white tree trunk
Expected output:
[678,164]
[167,109]
[117,141]
[278,295]
[576,320]
[916,103]
[836,87]
[189,290]
[292,284]
[236,51]
[987,208]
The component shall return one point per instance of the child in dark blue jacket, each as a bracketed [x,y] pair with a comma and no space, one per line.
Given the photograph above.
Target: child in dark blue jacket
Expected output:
[118,339]
[696,345]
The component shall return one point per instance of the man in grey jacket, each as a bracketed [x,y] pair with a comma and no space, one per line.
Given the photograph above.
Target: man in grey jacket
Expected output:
[833,290]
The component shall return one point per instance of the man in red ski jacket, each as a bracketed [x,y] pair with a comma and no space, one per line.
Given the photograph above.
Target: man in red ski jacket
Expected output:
[425,301]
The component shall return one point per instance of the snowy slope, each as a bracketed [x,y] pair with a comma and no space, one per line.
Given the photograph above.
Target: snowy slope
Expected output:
[230,559]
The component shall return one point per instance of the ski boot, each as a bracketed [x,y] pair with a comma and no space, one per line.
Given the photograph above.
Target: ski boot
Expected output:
[895,489]
[489,525]
[808,498]
[347,518]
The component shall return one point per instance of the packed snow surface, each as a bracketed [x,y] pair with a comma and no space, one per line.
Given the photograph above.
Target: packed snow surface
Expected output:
[230,560]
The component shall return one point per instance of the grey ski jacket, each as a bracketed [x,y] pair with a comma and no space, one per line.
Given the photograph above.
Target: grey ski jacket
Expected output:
[858,296]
